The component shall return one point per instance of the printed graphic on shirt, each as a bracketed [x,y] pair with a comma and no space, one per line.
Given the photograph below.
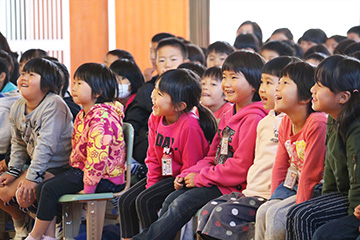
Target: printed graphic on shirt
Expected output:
[226,139]
[275,139]
[163,141]
[29,133]
[296,152]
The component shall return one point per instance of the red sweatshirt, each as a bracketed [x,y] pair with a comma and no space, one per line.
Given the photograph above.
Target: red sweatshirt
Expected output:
[186,140]
[229,172]
[306,149]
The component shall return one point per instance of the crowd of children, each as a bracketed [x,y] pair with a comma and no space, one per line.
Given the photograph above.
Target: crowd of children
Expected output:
[259,139]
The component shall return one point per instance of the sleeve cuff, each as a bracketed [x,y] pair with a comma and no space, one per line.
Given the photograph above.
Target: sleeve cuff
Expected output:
[89,189]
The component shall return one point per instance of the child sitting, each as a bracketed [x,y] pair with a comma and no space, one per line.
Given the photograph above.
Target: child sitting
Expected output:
[98,155]
[232,216]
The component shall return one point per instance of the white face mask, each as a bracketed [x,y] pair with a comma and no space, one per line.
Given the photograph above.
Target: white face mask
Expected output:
[124,90]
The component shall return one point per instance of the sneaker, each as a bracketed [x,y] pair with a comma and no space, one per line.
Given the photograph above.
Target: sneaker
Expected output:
[59,232]
[21,232]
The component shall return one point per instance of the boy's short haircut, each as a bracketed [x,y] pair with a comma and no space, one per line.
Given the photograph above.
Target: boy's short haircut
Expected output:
[173,42]
[213,72]
[121,54]
[318,56]
[352,48]
[195,53]
[49,72]
[276,65]
[220,47]
[193,66]
[160,36]
[338,38]
[340,48]
[355,29]
[282,48]
[4,68]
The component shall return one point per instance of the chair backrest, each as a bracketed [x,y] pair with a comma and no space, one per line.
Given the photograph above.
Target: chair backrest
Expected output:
[128,131]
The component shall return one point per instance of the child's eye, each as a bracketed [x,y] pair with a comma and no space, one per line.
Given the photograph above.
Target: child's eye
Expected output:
[214,84]
[268,82]
[174,59]
[222,59]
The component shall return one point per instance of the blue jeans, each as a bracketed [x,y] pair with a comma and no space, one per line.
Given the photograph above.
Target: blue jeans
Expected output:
[345,228]
[179,207]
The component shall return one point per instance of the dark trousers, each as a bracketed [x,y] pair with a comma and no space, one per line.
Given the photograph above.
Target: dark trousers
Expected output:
[69,182]
[178,208]
[345,228]
[304,218]
[140,205]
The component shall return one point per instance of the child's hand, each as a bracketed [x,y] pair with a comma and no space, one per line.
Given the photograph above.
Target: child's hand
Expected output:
[26,191]
[178,183]
[189,180]
[148,73]
[357,212]
[82,192]
[6,179]
[3,167]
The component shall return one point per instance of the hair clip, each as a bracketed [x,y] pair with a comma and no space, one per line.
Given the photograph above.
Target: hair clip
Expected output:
[355,90]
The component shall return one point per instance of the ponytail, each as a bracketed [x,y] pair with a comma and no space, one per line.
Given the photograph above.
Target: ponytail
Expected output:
[207,122]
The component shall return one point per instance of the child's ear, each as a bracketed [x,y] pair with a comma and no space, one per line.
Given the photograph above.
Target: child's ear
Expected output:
[344,97]
[180,106]
[2,76]
[186,60]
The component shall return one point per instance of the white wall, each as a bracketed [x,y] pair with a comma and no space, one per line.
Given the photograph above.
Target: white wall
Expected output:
[332,16]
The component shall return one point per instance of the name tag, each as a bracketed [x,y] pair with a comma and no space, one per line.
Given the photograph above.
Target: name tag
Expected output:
[291,177]
[166,162]
[224,146]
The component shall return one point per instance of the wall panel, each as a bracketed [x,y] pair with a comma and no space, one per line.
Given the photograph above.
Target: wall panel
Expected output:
[138,20]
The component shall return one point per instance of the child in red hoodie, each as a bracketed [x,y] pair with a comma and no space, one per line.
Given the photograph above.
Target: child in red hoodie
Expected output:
[225,167]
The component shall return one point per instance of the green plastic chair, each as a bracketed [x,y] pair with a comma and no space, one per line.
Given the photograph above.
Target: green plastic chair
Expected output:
[96,202]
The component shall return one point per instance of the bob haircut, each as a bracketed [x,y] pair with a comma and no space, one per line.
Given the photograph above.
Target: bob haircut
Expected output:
[51,79]
[302,73]
[213,72]
[176,43]
[342,73]
[282,48]
[276,65]
[4,68]
[244,41]
[32,53]
[101,80]
[220,47]
[129,70]
[249,64]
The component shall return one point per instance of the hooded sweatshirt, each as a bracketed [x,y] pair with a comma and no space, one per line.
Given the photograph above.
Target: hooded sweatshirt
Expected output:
[229,171]
[98,145]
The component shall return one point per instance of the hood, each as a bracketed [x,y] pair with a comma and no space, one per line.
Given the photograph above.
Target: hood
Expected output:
[254,108]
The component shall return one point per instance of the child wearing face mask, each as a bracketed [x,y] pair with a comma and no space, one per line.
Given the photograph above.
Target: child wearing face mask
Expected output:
[129,78]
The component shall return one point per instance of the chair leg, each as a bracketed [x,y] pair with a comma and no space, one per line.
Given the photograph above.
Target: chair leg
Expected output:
[2,224]
[95,216]
[71,219]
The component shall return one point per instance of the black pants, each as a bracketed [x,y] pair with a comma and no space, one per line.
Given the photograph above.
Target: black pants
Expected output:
[139,204]
[69,182]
